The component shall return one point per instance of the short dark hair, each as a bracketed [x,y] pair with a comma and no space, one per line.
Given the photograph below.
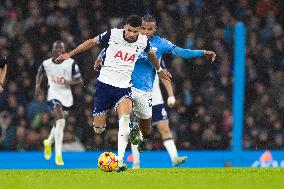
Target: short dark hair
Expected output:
[149,18]
[134,21]
[58,41]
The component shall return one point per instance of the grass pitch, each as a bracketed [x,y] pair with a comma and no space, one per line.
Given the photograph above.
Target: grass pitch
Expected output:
[229,178]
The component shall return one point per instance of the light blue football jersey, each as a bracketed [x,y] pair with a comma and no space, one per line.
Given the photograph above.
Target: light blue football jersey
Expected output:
[144,72]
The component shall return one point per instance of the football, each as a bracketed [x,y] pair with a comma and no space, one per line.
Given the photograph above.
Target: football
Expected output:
[107,162]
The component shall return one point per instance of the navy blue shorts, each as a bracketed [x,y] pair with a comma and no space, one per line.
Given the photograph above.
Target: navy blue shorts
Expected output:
[159,114]
[54,102]
[108,97]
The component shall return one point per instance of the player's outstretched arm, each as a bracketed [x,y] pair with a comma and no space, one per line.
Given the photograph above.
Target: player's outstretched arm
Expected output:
[162,73]
[188,53]
[169,88]
[81,48]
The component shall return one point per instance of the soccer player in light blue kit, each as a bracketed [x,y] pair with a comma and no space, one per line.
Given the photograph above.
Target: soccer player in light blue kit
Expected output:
[143,78]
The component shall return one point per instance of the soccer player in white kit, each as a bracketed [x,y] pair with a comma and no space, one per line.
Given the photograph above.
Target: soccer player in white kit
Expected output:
[113,87]
[60,75]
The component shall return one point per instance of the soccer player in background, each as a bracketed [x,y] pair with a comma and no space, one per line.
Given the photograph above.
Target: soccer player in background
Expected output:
[3,71]
[143,78]
[60,75]
[113,87]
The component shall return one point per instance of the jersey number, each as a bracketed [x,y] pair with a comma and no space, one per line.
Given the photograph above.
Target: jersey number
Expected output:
[150,102]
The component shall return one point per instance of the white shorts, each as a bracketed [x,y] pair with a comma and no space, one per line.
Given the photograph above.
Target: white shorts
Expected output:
[142,103]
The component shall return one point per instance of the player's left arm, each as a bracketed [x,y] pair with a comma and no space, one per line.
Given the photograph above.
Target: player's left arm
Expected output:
[162,73]
[76,76]
[169,88]
[188,53]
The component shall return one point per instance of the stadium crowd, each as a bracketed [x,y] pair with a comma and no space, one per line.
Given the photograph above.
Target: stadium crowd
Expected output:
[202,118]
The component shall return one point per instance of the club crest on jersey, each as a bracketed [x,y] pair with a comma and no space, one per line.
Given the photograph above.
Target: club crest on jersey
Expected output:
[125,56]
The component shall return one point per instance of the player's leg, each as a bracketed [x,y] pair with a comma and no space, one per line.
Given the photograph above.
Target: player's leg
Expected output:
[102,103]
[99,123]
[135,156]
[161,120]
[142,107]
[145,128]
[124,110]
[59,117]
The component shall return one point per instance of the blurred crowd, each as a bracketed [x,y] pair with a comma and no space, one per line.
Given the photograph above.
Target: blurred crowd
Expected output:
[202,118]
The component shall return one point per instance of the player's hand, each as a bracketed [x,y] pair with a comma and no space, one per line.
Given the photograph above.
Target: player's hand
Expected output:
[1,89]
[98,63]
[37,91]
[171,101]
[164,74]
[210,54]
[66,82]
[63,57]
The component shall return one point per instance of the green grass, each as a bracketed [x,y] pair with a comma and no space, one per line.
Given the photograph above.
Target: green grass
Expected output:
[229,178]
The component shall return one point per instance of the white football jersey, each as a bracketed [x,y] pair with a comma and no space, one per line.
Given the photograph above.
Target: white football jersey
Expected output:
[55,74]
[120,57]
[157,95]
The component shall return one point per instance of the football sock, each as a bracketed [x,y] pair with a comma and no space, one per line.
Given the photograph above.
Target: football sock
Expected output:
[123,135]
[135,154]
[171,147]
[51,136]
[60,124]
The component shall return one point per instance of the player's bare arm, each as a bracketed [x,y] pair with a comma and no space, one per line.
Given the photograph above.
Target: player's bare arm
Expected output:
[98,63]
[81,48]
[76,81]
[39,77]
[169,88]
[162,73]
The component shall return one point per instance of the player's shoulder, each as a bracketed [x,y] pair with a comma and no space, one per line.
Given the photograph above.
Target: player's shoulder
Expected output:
[163,40]
[70,60]
[142,38]
[47,61]
[115,31]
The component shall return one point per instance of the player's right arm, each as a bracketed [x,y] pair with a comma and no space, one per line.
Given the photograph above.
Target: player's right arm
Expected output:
[100,39]
[39,76]
[81,48]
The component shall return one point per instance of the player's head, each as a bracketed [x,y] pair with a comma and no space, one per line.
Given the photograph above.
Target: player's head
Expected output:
[58,48]
[132,28]
[149,25]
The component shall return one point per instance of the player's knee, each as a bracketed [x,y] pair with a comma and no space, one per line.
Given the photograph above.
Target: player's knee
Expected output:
[99,130]
[165,131]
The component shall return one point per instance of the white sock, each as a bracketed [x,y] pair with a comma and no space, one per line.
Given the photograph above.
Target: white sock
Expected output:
[60,124]
[135,154]
[171,148]
[123,135]
[50,139]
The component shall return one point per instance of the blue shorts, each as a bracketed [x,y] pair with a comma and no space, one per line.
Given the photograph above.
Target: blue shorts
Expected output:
[108,97]
[54,102]
[159,113]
